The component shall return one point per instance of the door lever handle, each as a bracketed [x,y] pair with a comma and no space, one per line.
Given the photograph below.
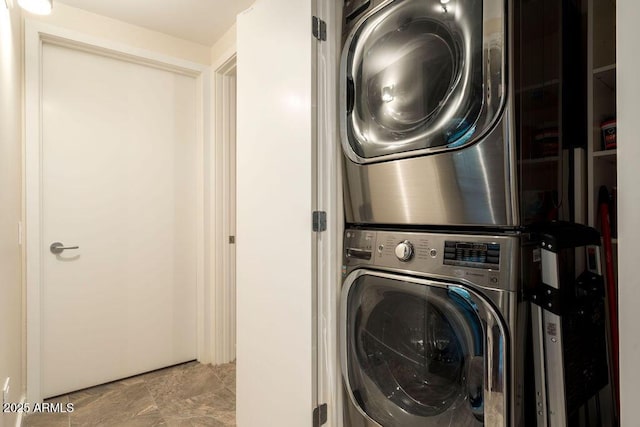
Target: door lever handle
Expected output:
[58,248]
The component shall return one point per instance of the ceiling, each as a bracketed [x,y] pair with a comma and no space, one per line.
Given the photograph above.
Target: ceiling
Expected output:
[200,21]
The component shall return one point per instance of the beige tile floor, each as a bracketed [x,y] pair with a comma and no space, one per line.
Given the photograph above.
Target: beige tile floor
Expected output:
[191,394]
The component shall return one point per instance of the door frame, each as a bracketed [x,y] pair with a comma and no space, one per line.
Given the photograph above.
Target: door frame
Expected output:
[35,34]
[329,198]
[223,301]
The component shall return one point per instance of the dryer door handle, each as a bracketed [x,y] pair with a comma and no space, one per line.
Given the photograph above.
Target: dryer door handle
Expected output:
[350,95]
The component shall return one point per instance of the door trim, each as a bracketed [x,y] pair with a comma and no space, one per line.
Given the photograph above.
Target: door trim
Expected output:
[223,301]
[36,34]
[328,198]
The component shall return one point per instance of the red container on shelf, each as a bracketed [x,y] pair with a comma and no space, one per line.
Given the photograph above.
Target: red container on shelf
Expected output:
[608,134]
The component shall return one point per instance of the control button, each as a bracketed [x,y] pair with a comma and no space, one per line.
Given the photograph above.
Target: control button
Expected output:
[380,248]
[404,251]
[433,253]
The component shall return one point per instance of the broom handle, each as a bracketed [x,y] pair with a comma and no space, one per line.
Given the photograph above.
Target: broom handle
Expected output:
[612,293]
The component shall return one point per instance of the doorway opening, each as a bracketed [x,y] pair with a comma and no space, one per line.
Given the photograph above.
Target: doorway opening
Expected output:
[224,157]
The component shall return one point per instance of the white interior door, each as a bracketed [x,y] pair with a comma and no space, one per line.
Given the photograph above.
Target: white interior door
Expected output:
[275,193]
[118,181]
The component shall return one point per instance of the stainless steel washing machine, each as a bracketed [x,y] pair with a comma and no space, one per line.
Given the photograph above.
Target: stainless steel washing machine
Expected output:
[426,120]
[431,329]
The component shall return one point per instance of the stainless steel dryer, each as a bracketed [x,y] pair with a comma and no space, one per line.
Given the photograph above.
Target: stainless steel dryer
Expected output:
[429,333]
[426,116]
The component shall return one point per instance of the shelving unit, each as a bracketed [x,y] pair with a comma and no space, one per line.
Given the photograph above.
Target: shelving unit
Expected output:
[611,154]
[601,102]
[539,81]
[601,163]
[541,160]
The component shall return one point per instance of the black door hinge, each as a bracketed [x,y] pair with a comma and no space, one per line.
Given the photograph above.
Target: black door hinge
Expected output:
[320,415]
[319,221]
[319,28]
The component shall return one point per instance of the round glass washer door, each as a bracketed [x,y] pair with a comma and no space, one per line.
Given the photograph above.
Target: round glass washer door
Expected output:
[414,79]
[414,353]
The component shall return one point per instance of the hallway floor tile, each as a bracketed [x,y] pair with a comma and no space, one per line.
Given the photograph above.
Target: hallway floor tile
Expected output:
[191,394]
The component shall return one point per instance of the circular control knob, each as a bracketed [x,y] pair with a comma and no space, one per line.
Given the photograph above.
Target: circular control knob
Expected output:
[404,251]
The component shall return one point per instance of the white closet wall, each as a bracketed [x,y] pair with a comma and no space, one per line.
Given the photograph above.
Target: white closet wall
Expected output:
[275,155]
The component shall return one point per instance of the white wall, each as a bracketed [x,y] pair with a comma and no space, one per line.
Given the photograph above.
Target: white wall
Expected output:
[223,46]
[11,325]
[628,33]
[99,26]
[275,153]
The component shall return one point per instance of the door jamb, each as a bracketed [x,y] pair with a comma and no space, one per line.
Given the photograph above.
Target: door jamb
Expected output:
[35,34]
[223,291]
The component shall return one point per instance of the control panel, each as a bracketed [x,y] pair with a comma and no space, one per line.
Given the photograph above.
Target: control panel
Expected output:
[483,260]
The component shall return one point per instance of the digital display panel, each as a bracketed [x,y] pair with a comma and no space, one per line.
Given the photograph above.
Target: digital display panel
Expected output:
[472,254]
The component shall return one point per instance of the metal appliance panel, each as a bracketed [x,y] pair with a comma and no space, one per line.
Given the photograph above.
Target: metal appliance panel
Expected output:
[494,290]
[398,172]
[376,249]
[474,186]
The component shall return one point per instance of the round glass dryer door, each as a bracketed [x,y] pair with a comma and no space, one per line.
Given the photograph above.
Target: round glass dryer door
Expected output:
[419,76]
[416,354]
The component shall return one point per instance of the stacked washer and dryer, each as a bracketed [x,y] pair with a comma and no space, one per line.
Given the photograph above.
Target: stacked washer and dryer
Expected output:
[432,315]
